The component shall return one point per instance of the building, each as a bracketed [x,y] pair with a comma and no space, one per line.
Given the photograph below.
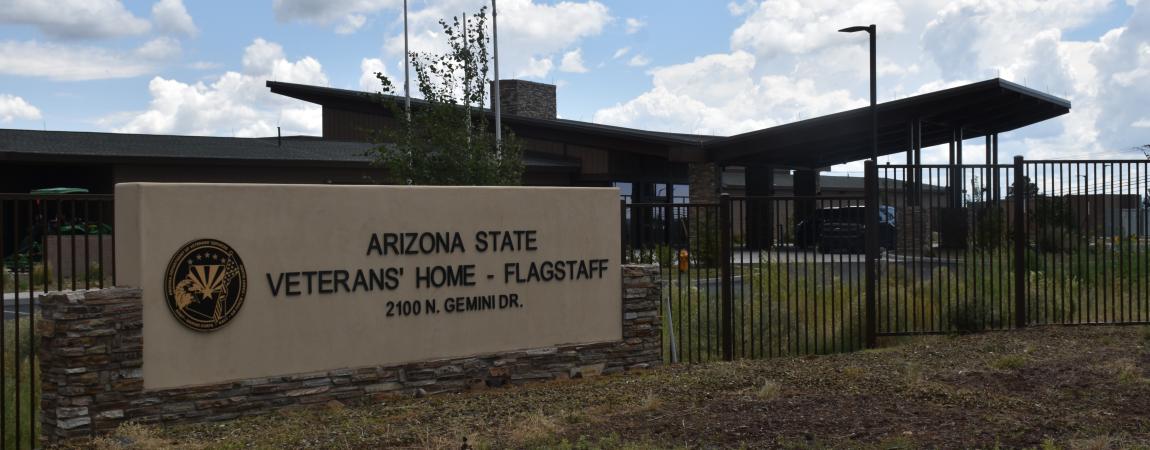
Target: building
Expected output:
[651,166]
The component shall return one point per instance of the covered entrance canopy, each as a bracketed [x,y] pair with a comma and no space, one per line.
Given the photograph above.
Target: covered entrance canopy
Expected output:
[974,110]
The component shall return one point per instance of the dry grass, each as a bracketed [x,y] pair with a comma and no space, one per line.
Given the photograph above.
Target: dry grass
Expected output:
[1043,387]
[1008,362]
[769,390]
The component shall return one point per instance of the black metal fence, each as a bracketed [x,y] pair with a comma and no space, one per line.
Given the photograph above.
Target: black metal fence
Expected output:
[47,242]
[928,249]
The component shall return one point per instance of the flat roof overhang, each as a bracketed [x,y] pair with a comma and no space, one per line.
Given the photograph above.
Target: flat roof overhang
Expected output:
[987,107]
[982,108]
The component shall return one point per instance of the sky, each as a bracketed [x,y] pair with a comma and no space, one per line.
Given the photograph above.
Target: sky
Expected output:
[198,67]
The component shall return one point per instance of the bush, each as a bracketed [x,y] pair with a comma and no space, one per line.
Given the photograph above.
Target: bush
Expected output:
[40,274]
[1055,239]
[990,230]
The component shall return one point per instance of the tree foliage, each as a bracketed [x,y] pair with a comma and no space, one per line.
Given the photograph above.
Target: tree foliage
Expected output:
[446,139]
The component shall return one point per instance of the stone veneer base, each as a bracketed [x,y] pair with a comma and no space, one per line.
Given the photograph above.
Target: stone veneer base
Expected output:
[91,349]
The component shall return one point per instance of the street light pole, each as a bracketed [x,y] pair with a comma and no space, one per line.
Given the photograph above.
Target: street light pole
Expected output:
[872,30]
[872,199]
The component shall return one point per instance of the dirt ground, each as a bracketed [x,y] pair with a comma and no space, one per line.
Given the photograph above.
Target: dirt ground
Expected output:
[1051,387]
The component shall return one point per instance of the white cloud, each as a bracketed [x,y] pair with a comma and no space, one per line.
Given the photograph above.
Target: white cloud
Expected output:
[639,61]
[531,34]
[233,104]
[535,68]
[573,62]
[720,94]
[351,23]
[787,54]
[349,15]
[74,19]
[621,52]
[71,63]
[804,26]
[171,16]
[738,9]
[13,107]
[205,65]
[968,38]
[159,48]
[634,25]
[368,82]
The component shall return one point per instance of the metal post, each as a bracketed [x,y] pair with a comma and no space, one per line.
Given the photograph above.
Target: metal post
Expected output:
[1020,194]
[917,162]
[997,179]
[495,106]
[874,92]
[871,181]
[406,67]
[725,277]
[986,176]
[623,231]
[668,219]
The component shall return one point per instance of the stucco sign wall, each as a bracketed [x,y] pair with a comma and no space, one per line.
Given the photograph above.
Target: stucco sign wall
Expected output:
[244,281]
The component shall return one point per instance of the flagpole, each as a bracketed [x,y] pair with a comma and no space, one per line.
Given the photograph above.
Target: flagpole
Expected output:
[406,69]
[495,95]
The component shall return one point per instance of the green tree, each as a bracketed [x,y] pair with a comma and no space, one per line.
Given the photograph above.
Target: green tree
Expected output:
[447,139]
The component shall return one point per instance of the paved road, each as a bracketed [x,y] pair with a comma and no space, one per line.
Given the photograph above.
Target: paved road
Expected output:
[10,308]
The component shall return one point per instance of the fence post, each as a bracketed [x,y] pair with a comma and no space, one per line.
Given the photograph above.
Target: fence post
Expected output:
[726,278]
[871,209]
[1020,238]
[624,238]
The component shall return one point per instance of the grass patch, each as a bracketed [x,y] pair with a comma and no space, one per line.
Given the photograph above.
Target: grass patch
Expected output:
[811,305]
[20,390]
[1008,362]
[1127,372]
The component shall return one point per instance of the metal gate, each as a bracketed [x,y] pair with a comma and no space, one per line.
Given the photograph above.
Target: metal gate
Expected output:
[927,250]
[763,290]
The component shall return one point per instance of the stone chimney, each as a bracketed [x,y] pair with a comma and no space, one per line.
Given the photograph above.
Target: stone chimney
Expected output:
[527,99]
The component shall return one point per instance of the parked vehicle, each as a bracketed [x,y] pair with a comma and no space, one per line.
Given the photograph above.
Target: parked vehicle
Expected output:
[843,229]
[47,220]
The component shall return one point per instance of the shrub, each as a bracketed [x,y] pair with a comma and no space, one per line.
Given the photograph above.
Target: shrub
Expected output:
[1056,239]
[40,274]
[990,230]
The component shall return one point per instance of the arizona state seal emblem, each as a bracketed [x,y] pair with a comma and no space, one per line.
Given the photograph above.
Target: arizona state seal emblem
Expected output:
[205,284]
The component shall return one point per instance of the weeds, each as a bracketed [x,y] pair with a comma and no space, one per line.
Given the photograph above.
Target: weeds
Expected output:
[768,390]
[1008,362]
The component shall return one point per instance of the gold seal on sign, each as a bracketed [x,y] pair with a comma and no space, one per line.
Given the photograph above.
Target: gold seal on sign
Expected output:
[205,284]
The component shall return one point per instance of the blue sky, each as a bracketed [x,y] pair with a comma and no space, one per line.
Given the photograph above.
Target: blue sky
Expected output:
[197,67]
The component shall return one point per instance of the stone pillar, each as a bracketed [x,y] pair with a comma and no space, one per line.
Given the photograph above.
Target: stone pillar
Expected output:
[806,184]
[760,181]
[642,192]
[704,181]
[91,350]
[527,99]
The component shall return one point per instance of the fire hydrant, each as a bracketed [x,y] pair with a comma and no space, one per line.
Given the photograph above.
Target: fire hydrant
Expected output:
[684,260]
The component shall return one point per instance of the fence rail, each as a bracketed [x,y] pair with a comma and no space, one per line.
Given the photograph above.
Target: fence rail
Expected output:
[928,249]
[47,242]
